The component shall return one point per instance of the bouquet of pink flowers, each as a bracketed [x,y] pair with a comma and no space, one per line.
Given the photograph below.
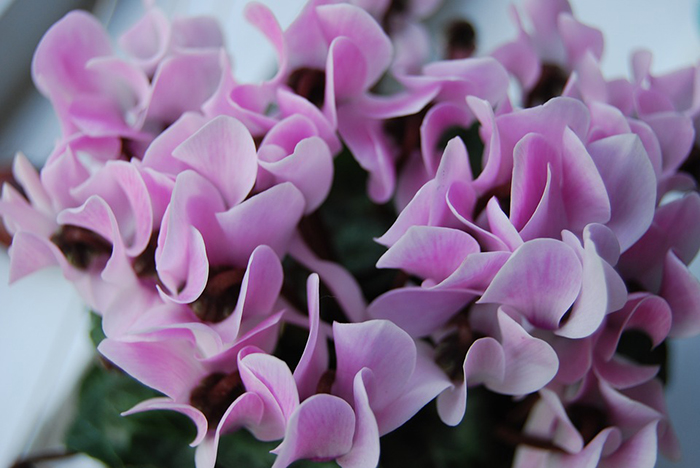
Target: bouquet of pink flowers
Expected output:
[536,218]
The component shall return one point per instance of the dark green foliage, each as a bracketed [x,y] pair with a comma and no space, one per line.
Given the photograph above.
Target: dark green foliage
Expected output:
[153,439]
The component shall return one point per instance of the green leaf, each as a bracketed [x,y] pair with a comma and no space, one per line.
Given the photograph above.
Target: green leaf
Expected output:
[153,439]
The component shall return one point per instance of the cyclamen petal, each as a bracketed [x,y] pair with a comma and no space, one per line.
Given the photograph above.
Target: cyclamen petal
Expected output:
[429,252]
[358,26]
[541,281]
[322,427]
[420,311]
[682,292]
[270,378]
[485,361]
[245,411]
[314,360]
[269,218]
[365,443]
[632,199]
[197,417]
[309,167]
[167,365]
[381,347]
[530,363]
[224,152]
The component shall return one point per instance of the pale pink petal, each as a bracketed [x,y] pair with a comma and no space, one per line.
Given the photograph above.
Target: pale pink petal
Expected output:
[183,83]
[676,136]
[224,152]
[585,197]
[262,18]
[28,178]
[419,311]
[196,32]
[370,147]
[358,26]
[314,360]
[579,38]
[439,118]
[382,347]
[365,443]
[322,427]
[416,213]
[531,157]
[309,168]
[639,451]
[484,77]
[345,75]
[643,311]
[259,290]
[541,281]
[194,414]
[147,40]
[530,363]
[159,154]
[245,411]
[621,373]
[682,292]
[485,362]
[291,104]
[268,218]
[519,56]
[30,253]
[632,199]
[429,252]
[426,382]
[168,365]
[598,291]
[19,215]
[476,271]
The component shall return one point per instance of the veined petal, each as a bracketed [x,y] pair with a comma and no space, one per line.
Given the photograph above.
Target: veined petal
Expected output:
[631,185]
[541,280]
[358,26]
[429,252]
[268,218]
[365,443]
[419,311]
[380,346]
[322,427]
[224,152]
[269,378]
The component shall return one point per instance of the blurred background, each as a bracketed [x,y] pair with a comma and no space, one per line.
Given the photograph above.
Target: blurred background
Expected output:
[44,342]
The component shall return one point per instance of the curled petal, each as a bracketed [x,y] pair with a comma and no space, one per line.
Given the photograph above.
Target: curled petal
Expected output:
[314,360]
[682,292]
[322,427]
[484,362]
[358,26]
[197,417]
[632,198]
[541,281]
[530,363]
[380,346]
[268,218]
[365,443]
[271,379]
[224,152]
[168,365]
